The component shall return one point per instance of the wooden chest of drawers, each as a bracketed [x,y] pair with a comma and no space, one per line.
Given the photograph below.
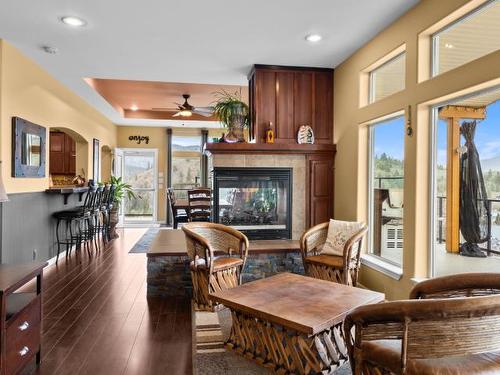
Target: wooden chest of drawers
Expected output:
[21,316]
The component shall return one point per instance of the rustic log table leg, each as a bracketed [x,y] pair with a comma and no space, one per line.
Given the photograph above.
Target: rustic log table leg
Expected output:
[284,350]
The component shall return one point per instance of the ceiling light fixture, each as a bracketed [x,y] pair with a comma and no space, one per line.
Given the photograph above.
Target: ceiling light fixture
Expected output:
[73,21]
[185,113]
[134,107]
[314,38]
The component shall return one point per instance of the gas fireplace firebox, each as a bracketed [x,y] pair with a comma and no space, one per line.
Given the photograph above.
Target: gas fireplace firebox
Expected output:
[256,201]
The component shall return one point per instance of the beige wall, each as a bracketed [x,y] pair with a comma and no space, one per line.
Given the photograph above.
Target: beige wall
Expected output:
[28,91]
[351,135]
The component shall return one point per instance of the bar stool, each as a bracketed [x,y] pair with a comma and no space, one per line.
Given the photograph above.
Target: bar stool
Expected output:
[77,222]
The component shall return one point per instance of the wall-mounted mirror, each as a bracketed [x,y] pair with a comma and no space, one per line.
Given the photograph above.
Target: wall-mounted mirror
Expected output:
[28,149]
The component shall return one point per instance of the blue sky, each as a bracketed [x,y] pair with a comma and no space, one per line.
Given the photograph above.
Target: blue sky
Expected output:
[390,135]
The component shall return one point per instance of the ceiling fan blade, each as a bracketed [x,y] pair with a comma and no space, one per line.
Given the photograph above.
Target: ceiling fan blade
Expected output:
[165,109]
[203,113]
[176,114]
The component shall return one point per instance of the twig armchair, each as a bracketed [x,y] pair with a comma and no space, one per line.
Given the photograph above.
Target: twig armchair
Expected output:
[441,330]
[340,269]
[218,254]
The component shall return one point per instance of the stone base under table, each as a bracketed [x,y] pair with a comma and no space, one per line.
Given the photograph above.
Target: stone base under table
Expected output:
[169,275]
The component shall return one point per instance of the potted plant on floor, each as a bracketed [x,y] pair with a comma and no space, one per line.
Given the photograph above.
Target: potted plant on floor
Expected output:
[122,189]
[233,113]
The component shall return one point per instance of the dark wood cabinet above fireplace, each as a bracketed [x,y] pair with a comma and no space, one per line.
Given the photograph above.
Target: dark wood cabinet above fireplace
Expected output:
[289,97]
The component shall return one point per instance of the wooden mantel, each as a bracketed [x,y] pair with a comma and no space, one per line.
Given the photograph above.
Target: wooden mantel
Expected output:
[269,148]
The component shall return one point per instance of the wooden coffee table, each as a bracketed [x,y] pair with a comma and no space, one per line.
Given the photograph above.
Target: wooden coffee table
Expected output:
[291,323]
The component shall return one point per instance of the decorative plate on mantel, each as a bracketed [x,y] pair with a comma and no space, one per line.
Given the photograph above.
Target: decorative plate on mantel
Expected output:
[305,135]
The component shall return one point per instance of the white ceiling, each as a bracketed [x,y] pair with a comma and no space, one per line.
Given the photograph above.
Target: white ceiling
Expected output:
[192,41]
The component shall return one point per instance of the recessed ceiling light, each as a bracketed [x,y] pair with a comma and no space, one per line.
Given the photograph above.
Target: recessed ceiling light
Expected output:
[73,21]
[449,45]
[314,38]
[134,107]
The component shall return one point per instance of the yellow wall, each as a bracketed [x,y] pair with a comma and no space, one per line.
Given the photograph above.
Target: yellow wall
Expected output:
[28,91]
[351,135]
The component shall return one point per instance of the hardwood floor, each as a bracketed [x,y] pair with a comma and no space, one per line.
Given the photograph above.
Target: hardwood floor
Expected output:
[97,319]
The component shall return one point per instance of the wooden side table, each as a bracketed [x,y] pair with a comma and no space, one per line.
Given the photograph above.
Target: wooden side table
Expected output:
[20,316]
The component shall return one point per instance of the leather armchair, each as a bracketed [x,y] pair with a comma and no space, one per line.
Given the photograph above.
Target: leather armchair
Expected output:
[450,326]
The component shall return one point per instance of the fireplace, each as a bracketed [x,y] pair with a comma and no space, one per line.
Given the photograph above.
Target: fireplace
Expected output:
[256,201]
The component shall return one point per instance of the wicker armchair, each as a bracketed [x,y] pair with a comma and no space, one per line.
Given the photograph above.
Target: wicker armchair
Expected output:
[340,269]
[450,326]
[218,254]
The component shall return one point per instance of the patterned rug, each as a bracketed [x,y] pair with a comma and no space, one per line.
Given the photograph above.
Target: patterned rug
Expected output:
[142,246]
[210,357]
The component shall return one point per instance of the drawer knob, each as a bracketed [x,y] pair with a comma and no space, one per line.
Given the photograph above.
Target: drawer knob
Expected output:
[24,351]
[24,326]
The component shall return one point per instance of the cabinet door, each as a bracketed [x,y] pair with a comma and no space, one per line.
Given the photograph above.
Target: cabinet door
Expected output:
[303,100]
[69,155]
[323,107]
[284,127]
[265,98]
[56,153]
[320,194]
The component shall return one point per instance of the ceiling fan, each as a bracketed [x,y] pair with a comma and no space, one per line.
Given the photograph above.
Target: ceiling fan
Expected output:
[186,110]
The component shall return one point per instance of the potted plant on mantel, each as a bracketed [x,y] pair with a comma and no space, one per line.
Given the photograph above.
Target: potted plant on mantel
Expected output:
[233,113]
[122,189]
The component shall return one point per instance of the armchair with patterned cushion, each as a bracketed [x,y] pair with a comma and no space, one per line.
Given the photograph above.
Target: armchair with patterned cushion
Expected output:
[451,325]
[218,254]
[332,251]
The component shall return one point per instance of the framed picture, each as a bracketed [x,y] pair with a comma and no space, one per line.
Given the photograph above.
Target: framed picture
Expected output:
[28,148]
[96,155]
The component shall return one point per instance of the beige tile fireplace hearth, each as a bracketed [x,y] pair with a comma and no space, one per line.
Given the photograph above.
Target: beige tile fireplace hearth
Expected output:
[298,165]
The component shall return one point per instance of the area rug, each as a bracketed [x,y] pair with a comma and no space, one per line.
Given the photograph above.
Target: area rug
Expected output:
[211,358]
[142,246]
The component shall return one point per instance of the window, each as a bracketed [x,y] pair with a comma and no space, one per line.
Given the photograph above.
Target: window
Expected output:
[386,182]
[186,162]
[472,36]
[387,78]
[448,236]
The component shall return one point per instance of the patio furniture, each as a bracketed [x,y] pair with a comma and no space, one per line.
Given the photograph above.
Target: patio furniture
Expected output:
[290,323]
[179,211]
[340,269]
[211,273]
[450,326]
[200,204]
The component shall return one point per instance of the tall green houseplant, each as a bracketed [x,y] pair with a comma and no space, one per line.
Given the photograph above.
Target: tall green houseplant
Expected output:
[233,113]
[122,190]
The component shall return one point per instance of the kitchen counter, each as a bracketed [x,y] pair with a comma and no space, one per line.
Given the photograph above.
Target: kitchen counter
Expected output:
[65,191]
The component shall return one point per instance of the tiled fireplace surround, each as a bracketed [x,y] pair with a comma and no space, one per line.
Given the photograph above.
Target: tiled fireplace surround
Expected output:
[296,162]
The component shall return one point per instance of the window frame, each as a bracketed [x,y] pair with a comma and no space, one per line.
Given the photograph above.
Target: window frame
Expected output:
[435,37]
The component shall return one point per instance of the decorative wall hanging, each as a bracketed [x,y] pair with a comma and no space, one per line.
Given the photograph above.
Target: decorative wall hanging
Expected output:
[139,139]
[305,135]
[28,148]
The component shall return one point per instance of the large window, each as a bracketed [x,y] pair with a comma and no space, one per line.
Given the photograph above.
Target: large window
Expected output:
[386,166]
[475,35]
[387,78]
[451,211]
[186,162]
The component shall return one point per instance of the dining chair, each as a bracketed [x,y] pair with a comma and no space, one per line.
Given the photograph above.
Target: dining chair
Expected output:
[200,204]
[179,215]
